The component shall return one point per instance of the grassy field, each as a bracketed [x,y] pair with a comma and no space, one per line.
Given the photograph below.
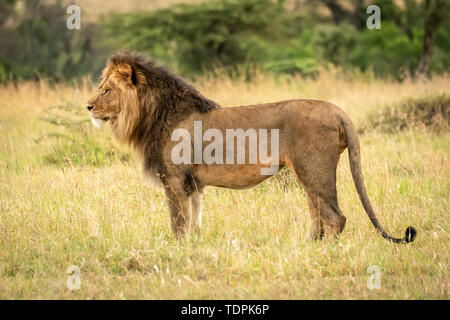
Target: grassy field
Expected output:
[69,195]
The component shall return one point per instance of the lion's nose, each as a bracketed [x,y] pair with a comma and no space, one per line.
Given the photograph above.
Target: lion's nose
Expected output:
[89,107]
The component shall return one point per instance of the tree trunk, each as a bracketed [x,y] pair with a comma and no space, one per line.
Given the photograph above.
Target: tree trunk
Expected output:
[435,11]
[337,11]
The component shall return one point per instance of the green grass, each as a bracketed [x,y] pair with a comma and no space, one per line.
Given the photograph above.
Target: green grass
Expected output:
[73,140]
[65,200]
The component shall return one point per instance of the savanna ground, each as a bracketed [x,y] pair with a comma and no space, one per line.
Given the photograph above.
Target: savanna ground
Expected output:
[69,195]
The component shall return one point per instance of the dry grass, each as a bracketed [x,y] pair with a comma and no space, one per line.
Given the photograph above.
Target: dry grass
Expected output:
[432,111]
[95,211]
[103,8]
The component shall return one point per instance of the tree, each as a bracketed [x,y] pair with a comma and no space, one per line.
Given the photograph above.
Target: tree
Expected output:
[35,42]
[340,14]
[201,35]
[435,12]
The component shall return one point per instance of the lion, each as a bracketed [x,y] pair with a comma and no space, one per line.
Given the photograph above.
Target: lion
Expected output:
[144,104]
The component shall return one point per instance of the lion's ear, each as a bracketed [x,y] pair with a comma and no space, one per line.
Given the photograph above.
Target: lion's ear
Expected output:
[129,75]
[124,72]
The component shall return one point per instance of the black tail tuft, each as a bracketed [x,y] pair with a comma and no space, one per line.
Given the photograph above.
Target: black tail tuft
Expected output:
[410,234]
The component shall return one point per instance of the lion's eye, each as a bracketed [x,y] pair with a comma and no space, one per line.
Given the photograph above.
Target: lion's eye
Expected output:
[105,92]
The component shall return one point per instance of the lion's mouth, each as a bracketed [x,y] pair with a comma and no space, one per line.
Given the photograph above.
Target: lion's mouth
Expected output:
[99,121]
[104,118]
[99,118]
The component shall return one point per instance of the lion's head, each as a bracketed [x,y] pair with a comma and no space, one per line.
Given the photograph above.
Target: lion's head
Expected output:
[142,100]
[117,99]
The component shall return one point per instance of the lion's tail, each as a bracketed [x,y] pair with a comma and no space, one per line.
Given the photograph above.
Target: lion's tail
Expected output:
[355,167]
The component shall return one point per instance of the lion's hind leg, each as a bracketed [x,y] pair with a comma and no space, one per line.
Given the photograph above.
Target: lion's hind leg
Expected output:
[317,229]
[318,178]
[330,214]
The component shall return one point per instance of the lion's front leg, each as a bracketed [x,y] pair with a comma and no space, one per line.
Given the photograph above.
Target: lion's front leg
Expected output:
[197,210]
[180,209]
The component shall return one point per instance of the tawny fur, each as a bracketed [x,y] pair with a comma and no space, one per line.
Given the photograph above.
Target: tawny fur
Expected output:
[145,103]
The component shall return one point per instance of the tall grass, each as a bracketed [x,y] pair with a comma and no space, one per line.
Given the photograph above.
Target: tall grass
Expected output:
[69,195]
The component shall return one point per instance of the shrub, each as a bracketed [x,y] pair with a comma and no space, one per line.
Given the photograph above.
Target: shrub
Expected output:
[433,112]
[196,37]
[36,43]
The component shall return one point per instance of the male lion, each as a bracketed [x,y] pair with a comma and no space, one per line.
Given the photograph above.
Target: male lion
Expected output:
[145,104]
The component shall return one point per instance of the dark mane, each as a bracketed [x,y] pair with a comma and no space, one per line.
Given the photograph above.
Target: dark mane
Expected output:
[164,100]
[161,79]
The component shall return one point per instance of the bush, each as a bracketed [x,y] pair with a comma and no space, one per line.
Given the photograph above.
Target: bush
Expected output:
[232,33]
[198,36]
[235,35]
[432,112]
[36,43]
[388,50]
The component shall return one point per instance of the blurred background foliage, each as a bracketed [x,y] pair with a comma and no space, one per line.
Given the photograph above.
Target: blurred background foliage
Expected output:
[35,42]
[193,37]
